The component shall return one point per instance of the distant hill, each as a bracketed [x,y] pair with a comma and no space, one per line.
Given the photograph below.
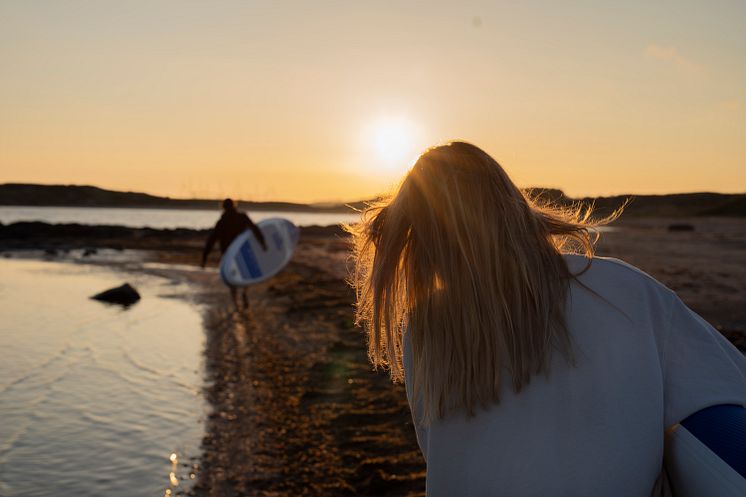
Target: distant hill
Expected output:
[91,196]
[673,205]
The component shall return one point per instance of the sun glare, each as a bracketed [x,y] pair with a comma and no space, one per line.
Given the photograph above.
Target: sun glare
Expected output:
[394,141]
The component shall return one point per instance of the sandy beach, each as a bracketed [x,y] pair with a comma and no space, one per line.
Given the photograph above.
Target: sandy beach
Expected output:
[295,407]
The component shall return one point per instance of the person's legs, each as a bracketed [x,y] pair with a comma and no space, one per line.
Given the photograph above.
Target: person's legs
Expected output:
[234,296]
[245,297]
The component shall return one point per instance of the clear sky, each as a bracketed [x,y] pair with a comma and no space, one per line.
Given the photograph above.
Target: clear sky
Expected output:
[320,100]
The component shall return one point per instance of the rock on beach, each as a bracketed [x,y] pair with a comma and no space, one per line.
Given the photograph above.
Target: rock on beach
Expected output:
[123,295]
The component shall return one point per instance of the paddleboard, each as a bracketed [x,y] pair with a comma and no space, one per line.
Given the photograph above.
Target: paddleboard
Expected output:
[706,453]
[246,262]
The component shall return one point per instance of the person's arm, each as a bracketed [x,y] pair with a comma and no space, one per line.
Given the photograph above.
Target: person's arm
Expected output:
[257,232]
[701,368]
[210,243]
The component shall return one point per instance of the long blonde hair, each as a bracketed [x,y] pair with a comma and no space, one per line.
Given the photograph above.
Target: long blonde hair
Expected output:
[472,269]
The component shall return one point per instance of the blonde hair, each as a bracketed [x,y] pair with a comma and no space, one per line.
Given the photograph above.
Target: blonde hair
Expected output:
[472,269]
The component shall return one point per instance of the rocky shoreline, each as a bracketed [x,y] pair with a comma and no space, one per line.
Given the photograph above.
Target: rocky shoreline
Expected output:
[39,235]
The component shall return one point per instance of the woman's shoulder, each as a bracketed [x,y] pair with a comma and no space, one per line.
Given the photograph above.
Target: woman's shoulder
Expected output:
[616,274]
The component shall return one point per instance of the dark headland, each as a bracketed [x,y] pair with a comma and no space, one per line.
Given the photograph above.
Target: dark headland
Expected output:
[671,205]
[28,194]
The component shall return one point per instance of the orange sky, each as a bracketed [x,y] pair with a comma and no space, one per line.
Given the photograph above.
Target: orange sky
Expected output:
[315,101]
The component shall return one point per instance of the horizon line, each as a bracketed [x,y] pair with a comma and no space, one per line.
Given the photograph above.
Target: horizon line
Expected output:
[347,202]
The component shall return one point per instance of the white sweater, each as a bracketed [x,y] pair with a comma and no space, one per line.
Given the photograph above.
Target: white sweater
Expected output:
[595,429]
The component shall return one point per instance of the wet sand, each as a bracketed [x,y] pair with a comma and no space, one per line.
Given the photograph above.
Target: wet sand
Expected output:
[297,409]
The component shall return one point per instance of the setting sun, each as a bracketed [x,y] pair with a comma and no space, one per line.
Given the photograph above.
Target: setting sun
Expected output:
[395,142]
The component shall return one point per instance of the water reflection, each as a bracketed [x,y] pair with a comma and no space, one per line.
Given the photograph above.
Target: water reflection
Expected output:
[173,481]
[93,397]
[158,218]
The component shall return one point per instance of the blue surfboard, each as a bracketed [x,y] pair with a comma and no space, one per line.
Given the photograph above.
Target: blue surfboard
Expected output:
[706,453]
[246,262]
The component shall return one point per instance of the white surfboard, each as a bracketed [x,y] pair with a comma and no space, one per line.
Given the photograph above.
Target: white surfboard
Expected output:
[246,262]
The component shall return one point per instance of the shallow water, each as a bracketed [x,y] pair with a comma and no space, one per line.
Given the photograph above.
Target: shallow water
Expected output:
[94,398]
[157,218]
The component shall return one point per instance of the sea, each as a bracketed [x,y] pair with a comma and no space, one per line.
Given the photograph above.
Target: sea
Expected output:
[158,218]
[97,399]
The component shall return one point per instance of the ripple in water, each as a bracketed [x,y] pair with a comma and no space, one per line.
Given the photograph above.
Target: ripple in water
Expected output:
[95,400]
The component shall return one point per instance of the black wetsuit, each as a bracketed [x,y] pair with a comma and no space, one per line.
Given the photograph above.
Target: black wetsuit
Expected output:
[231,224]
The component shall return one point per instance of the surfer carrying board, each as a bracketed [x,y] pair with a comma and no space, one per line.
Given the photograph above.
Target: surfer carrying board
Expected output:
[531,366]
[231,224]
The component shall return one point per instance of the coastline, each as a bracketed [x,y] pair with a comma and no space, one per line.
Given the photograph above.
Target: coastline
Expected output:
[294,406]
[296,409]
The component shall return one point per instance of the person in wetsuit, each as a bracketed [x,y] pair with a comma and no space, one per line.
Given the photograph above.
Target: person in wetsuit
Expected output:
[231,224]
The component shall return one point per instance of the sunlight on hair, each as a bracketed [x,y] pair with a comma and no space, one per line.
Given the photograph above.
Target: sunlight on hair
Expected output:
[473,271]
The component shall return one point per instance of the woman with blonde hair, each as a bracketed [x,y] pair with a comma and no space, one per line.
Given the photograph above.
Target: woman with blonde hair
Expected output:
[531,366]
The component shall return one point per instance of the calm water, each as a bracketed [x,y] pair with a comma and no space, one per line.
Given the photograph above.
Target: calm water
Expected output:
[156,218]
[94,399]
